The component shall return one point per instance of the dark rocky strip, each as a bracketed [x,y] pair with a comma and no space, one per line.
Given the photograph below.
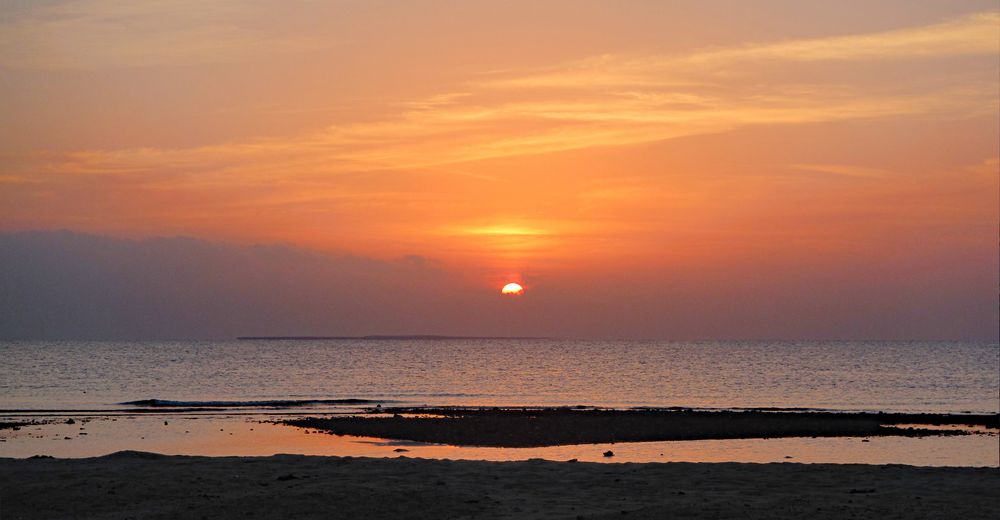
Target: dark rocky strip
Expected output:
[935,419]
[512,428]
[13,425]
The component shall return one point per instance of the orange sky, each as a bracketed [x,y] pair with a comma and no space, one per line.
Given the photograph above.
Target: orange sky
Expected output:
[547,142]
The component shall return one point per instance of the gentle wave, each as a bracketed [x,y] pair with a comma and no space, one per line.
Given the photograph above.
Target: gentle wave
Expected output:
[873,376]
[278,403]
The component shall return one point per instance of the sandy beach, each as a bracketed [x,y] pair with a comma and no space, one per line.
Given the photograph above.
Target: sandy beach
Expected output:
[143,485]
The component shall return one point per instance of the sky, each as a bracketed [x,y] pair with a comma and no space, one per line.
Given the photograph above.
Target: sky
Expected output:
[677,170]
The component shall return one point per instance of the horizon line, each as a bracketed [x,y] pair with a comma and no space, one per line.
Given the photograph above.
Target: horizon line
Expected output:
[383,337]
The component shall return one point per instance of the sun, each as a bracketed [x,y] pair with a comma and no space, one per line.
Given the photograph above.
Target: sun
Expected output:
[512,289]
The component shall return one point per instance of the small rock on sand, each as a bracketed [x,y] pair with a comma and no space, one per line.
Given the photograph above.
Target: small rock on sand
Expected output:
[609,453]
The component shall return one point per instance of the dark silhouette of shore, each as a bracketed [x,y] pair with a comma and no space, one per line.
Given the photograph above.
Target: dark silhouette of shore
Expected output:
[500,427]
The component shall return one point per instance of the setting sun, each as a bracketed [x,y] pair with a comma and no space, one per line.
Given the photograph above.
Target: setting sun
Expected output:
[512,289]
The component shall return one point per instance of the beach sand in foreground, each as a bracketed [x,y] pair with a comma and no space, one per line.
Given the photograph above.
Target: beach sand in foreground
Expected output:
[133,484]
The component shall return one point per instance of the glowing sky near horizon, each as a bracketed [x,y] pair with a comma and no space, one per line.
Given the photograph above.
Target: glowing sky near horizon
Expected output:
[678,145]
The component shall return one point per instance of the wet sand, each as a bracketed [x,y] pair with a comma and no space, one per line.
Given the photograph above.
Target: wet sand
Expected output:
[260,436]
[142,485]
[515,428]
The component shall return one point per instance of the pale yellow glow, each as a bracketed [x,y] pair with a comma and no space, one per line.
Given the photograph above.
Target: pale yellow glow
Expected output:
[512,289]
[503,231]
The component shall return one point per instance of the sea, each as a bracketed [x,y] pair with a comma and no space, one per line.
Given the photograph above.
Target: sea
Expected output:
[235,383]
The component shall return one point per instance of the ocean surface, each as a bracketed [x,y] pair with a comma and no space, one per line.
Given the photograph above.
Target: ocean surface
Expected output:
[317,374]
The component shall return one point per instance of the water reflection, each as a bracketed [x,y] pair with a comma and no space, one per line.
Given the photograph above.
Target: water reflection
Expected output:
[236,435]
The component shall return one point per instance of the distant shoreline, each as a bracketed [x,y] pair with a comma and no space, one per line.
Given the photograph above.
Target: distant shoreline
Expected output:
[380,338]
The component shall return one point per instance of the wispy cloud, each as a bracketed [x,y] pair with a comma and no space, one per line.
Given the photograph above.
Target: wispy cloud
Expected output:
[976,34]
[844,170]
[101,34]
[973,35]
[603,101]
[613,100]
[438,138]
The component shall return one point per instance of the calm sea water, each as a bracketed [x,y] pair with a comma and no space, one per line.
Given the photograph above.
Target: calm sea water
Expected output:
[889,376]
